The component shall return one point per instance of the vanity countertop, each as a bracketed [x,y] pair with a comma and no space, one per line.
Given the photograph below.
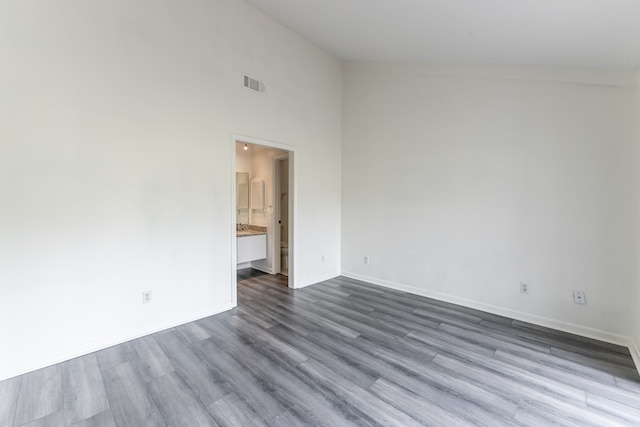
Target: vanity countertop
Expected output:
[250,230]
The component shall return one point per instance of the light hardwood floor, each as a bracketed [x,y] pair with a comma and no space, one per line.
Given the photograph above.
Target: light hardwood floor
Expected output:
[341,352]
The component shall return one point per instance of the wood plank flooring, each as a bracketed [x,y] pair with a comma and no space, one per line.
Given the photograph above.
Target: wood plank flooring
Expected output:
[338,353]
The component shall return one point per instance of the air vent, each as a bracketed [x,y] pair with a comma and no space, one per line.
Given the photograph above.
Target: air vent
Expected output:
[253,84]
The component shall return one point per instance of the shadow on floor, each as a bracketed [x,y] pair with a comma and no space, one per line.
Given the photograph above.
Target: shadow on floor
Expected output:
[249,273]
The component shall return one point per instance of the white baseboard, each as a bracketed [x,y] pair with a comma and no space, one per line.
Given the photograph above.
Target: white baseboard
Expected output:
[560,325]
[90,347]
[635,353]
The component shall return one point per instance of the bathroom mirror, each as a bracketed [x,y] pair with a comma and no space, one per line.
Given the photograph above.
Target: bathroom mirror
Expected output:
[242,198]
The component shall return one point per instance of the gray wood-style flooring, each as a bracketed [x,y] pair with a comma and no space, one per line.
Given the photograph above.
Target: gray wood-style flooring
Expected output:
[341,352]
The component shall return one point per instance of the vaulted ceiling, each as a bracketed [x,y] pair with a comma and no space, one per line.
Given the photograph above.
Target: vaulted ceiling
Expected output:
[582,33]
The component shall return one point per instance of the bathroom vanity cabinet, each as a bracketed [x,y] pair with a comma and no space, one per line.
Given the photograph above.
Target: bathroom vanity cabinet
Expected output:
[252,247]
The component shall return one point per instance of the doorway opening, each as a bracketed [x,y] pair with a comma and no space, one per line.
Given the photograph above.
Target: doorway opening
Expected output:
[263,210]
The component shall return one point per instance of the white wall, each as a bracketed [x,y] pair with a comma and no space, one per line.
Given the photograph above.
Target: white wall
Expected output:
[461,182]
[115,163]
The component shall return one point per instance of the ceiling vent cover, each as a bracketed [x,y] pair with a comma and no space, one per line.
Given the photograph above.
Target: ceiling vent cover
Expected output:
[253,84]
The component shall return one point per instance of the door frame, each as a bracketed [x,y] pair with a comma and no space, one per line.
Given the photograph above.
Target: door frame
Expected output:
[239,138]
[277,211]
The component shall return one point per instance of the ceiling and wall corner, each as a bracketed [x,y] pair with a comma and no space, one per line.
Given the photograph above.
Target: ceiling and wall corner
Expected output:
[560,33]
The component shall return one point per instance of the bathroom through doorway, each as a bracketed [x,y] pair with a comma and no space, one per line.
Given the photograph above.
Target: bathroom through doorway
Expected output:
[263,214]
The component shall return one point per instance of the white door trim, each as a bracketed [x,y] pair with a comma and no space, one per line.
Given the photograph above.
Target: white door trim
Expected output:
[277,168]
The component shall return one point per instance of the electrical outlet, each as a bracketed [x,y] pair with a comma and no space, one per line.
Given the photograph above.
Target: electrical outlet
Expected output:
[146,297]
[579,297]
[366,260]
[322,258]
[524,288]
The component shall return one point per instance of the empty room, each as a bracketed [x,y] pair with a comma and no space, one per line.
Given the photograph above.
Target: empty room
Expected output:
[285,212]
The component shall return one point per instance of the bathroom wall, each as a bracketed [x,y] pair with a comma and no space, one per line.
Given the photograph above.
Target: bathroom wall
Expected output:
[460,182]
[243,165]
[243,159]
[115,163]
